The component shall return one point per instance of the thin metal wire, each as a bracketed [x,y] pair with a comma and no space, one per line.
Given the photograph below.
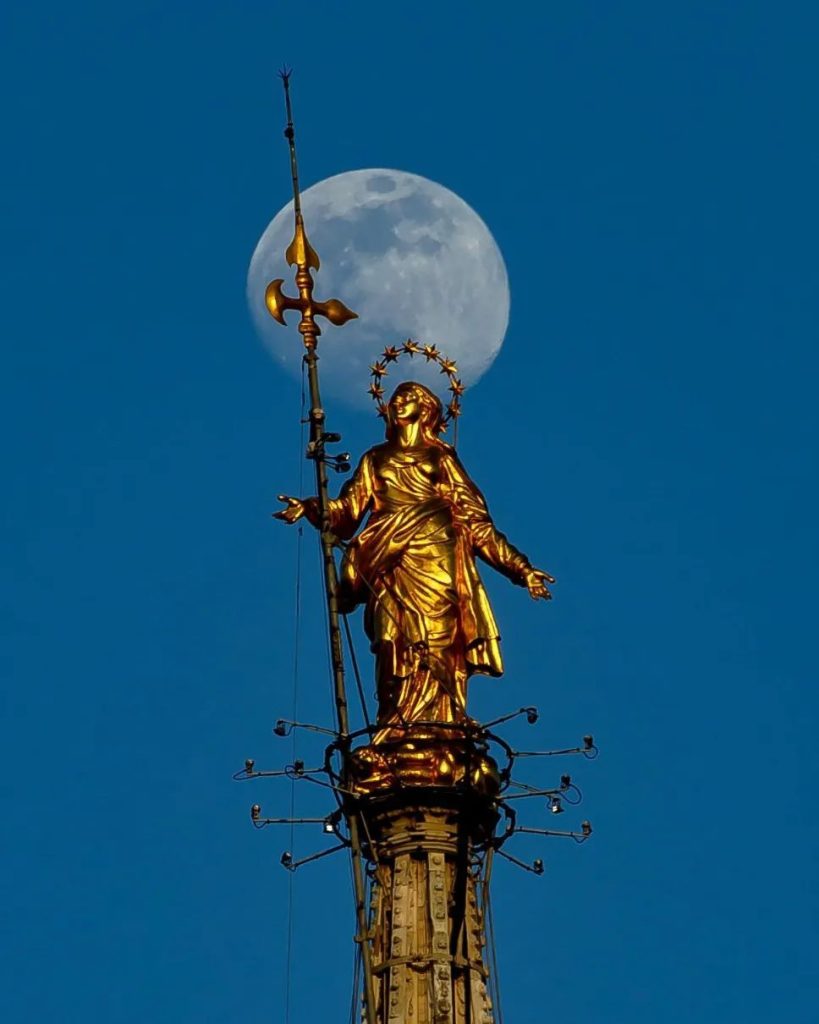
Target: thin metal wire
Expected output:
[492,945]
[295,702]
[358,953]
[356,853]
[330,663]
[357,673]
[379,869]
[356,982]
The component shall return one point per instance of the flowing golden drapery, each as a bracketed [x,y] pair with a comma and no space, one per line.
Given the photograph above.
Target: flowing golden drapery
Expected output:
[412,566]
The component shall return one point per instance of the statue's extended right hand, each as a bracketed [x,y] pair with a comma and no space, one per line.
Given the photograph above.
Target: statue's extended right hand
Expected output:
[293,512]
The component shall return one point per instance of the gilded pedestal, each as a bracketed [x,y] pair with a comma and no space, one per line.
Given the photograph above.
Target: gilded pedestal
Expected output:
[427,931]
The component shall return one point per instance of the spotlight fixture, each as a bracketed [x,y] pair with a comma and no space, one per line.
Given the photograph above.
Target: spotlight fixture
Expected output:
[330,438]
[588,742]
[280,729]
[537,866]
[565,781]
[255,811]
[532,715]
[249,763]
[298,767]
[555,805]
[585,828]
[286,859]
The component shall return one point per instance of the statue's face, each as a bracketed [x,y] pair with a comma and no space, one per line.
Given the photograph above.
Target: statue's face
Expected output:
[407,405]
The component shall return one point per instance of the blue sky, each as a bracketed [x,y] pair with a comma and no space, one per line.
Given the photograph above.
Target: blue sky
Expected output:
[648,434]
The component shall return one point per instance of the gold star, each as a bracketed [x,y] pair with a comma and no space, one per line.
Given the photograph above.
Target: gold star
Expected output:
[411,347]
[457,387]
[375,389]
[378,369]
[391,353]
[382,411]
[454,408]
[447,366]
[430,352]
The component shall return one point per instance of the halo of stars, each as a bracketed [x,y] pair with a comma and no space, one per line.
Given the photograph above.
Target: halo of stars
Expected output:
[391,354]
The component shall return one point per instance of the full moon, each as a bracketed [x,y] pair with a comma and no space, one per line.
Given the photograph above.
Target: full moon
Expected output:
[411,258]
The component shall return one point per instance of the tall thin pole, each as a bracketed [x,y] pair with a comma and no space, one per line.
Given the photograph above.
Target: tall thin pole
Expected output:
[301,254]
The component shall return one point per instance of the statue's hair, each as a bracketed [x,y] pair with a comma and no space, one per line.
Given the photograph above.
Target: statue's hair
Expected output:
[432,417]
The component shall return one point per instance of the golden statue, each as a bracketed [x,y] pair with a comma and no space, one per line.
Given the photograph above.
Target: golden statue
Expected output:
[422,799]
[412,566]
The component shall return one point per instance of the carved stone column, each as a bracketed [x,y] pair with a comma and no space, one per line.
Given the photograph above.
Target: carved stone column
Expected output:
[427,926]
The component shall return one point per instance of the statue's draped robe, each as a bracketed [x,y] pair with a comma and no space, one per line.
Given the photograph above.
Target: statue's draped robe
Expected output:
[412,566]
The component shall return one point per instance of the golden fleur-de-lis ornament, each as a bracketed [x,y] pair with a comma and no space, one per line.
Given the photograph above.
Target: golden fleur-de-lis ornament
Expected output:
[304,257]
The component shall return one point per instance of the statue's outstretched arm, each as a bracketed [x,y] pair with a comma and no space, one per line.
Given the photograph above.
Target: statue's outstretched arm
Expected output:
[346,511]
[472,512]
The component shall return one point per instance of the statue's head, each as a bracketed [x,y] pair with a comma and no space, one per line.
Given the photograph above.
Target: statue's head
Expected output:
[413,403]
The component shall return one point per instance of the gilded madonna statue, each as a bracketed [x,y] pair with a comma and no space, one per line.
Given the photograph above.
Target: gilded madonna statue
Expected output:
[413,568]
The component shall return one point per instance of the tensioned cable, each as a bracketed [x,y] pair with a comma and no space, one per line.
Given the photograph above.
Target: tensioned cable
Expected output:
[295,703]
[331,676]
[379,870]
[490,935]
[358,994]
[330,664]
[356,982]
[357,674]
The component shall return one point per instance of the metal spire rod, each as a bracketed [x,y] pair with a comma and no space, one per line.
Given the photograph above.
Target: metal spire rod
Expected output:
[301,254]
[290,135]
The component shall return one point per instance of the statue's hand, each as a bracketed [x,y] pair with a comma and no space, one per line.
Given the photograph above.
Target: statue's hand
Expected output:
[536,581]
[293,512]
